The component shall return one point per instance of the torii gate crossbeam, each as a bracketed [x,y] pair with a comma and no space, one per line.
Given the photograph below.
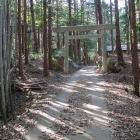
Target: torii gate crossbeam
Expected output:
[101,27]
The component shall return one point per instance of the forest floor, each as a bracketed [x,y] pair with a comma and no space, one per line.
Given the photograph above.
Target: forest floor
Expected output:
[78,113]
[122,105]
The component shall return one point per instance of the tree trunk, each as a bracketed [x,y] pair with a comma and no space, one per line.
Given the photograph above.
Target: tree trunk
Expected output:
[2,92]
[139,22]
[19,40]
[118,40]
[25,34]
[134,49]
[70,33]
[127,33]
[99,21]
[46,72]
[34,27]
[15,31]
[58,37]
[112,38]
[50,33]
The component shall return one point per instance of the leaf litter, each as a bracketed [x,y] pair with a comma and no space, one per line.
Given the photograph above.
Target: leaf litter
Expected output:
[28,105]
[123,106]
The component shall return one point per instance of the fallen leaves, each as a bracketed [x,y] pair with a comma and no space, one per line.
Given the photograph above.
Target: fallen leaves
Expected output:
[30,104]
[123,106]
[72,118]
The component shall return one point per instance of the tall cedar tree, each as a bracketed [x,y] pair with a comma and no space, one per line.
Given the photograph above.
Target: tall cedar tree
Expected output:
[70,33]
[34,27]
[134,49]
[118,40]
[58,34]
[99,21]
[19,40]
[50,33]
[111,21]
[46,72]
[25,33]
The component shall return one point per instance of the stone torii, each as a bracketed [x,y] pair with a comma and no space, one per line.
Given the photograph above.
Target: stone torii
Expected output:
[66,29]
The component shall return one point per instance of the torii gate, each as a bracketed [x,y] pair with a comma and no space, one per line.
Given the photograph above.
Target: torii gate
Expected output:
[66,29]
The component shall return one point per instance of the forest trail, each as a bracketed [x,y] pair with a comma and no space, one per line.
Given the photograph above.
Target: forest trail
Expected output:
[78,112]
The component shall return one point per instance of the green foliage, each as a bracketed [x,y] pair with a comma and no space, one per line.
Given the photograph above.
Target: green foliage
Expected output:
[33,55]
[58,53]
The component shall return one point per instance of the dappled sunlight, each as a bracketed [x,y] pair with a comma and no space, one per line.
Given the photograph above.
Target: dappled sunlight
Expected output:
[58,105]
[95,88]
[80,106]
[97,112]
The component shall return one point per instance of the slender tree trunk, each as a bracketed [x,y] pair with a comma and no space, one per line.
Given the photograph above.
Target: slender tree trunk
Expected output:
[134,49]
[112,38]
[127,33]
[15,30]
[84,54]
[8,56]
[118,40]
[99,21]
[38,36]
[22,38]
[50,33]
[139,21]
[70,33]
[19,40]
[25,33]
[2,92]
[46,72]
[34,27]
[58,36]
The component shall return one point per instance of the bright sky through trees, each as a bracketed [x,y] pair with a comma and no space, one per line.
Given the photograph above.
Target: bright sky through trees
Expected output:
[120,2]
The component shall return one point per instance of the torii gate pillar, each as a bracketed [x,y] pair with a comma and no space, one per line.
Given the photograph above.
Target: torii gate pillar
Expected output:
[66,53]
[104,54]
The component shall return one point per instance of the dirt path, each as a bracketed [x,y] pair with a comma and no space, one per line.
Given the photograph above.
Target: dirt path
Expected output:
[78,113]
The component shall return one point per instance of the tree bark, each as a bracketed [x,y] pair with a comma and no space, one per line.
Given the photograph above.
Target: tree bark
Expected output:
[134,49]
[70,33]
[58,36]
[25,33]
[118,40]
[111,21]
[34,27]
[19,40]
[99,21]
[2,96]
[50,33]
[127,33]
[46,72]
